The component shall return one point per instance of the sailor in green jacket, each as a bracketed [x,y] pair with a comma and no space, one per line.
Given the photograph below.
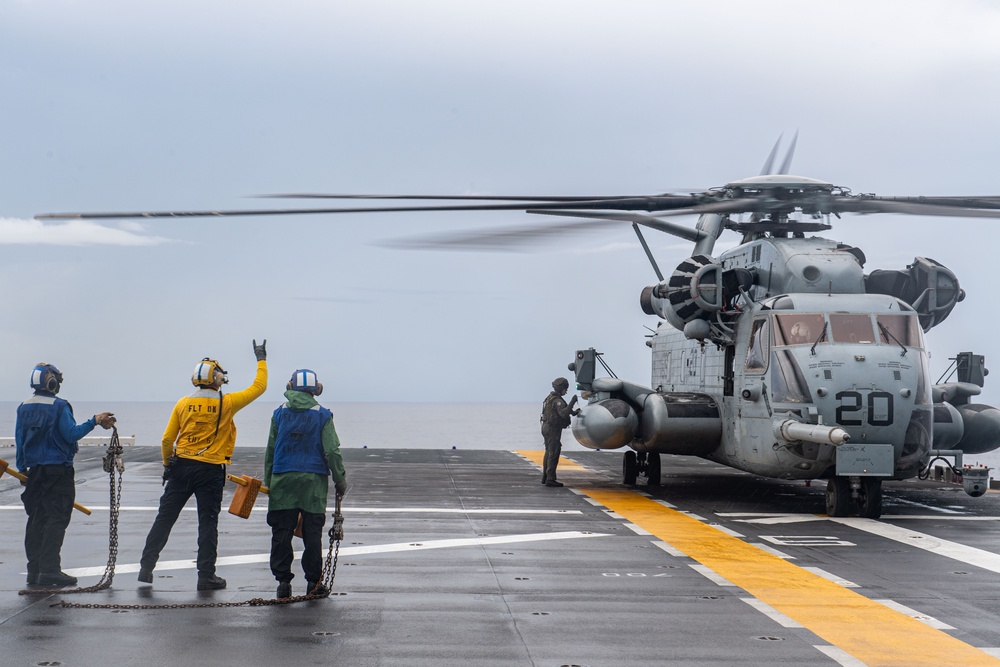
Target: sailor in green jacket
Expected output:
[302,451]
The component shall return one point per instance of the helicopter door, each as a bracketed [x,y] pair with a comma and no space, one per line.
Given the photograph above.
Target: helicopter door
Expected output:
[753,398]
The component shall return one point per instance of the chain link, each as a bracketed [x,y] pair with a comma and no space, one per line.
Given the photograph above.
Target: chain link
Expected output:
[114,466]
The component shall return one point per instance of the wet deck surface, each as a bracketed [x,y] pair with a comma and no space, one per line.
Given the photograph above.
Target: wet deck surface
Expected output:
[462,557]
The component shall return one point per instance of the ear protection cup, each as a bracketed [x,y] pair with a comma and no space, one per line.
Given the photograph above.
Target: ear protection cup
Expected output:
[46,377]
[205,373]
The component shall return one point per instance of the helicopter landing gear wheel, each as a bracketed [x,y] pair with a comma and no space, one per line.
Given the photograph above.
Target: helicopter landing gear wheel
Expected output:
[870,498]
[652,469]
[630,468]
[838,496]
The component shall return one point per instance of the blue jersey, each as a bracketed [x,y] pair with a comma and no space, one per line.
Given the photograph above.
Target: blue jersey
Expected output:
[298,446]
[46,432]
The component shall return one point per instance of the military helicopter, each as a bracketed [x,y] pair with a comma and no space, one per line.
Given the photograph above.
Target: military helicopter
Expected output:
[780,356]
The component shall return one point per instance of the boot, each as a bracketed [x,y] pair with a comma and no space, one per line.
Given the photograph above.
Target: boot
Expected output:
[316,588]
[145,575]
[210,583]
[55,579]
[284,589]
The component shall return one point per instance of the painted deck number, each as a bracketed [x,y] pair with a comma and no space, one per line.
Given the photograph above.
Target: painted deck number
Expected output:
[807,541]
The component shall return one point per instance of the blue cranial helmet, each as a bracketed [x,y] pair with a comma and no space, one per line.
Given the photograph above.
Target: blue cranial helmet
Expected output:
[46,377]
[305,380]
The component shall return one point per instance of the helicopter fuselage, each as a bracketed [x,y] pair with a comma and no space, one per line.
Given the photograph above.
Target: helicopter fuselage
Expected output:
[819,359]
[782,358]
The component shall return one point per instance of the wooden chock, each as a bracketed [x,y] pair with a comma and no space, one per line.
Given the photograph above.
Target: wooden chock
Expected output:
[246,495]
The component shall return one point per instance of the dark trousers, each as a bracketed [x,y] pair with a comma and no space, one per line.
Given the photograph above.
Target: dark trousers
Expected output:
[205,481]
[48,501]
[282,523]
[553,448]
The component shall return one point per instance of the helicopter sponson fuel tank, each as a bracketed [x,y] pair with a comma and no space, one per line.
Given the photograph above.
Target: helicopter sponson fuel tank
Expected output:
[676,423]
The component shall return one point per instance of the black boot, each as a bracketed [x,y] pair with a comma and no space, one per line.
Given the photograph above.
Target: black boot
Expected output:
[55,579]
[210,583]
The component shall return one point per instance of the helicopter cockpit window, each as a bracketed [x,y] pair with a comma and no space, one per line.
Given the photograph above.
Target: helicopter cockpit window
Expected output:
[852,328]
[798,329]
[757,350]
[902,330]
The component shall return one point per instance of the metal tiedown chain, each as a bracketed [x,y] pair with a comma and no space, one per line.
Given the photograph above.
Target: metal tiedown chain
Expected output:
[336,534]
[114,466]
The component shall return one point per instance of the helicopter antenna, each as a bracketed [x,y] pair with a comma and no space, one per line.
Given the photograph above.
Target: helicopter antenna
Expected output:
[649,255]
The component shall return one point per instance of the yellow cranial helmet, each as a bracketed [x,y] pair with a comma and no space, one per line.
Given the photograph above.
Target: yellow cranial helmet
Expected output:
[206,372]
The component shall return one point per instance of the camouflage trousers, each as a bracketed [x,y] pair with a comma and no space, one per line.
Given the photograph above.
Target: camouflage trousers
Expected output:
[553,448]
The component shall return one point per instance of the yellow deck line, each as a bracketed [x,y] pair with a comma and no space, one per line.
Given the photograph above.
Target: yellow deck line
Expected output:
[867,630]
[537,456]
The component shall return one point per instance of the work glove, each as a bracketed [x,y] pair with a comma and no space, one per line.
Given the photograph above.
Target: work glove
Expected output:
[259,351]
[105,420]
[572,401]
[341,488]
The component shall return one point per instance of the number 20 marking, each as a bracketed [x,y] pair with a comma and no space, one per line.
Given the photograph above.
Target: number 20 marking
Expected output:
[851,402]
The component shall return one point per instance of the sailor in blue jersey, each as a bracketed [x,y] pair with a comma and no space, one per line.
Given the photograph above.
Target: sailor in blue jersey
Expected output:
[46,435]
[303,450]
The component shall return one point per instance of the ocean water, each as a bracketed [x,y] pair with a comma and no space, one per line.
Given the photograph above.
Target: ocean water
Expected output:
[372,425]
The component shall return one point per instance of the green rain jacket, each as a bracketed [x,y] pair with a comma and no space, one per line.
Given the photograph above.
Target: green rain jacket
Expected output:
[304,491]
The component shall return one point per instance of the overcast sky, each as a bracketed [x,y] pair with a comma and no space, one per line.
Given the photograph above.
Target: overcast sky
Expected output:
[121,105]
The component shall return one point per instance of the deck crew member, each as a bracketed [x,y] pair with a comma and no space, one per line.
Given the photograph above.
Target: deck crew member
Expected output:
[555,417]
[46,435]
[302,451]
[196,447]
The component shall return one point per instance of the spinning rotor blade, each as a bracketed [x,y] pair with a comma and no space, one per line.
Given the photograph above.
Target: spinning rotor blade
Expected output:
[638,218]
[570,198]
[769,162]
[656,203]
[912,208]
[505,238]
[786,165]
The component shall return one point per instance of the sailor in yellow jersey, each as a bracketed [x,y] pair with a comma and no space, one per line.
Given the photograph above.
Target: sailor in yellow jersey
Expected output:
[197,445]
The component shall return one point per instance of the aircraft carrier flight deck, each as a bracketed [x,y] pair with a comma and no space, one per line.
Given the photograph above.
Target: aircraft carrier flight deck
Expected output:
[455,557]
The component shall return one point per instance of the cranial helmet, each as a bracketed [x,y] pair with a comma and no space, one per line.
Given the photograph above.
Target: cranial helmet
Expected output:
[305,380]
[207,372]
[46,377]
[560,383]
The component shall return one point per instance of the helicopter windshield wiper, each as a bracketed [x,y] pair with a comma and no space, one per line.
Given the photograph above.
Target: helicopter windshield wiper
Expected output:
[822,335]
[888,334]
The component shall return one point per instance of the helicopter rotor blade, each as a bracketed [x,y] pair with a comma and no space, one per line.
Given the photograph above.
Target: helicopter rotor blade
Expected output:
[769,162]
[656,203]
[543,198]
[498,239]
[912,208]
[786,165]
[686,233]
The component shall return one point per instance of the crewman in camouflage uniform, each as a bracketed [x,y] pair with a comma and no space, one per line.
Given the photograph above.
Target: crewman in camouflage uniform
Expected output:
[555,417]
